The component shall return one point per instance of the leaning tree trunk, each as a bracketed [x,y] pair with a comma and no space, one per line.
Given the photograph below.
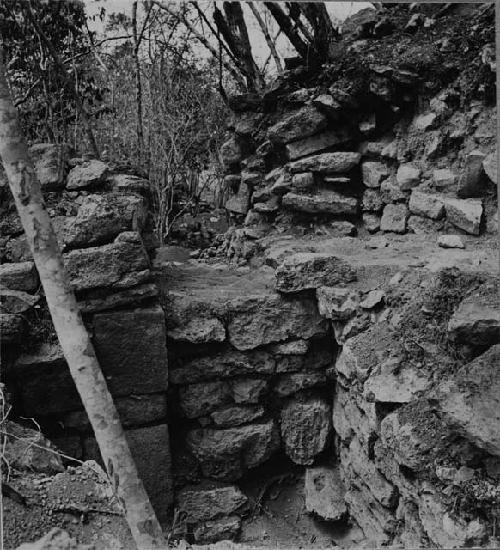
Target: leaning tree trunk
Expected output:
[71,331]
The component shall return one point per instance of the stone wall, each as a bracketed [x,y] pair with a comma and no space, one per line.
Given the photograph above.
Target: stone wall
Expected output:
[357,374]
[398,150]
[100,216]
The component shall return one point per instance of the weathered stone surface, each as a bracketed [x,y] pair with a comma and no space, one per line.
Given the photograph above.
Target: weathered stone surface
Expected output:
[306,429]
[371,222]
[267,207]
[288,384]
[12,328]
[373,299]
[131,348]
[391,192]
[316,143]
[324,493]
[222,529]
[490,166]
[99,301]
[408,176]
[16,301]
[337,303]
[201,399]
[10,223]
[210,500]
[198,331]
[28,450]
[294,347]
[248,390]
[19,276]
[297,125]
[327,163]
[236,415]
[423,226]
[121,264]
[88,174]
[470,183]
[315,359]
[385,386]
[450,241]
[309,270]
[227,454]
[150,448]
[444,178]
[470,402]
[426,204]
[477,320]
[371,201]
[101,218]
[337,180]
[223,365]
[424,122]
[465,214]
[356,466]
[50,162]
[260,320]
[374,173]
[394,218]
[323,202]
[327,104]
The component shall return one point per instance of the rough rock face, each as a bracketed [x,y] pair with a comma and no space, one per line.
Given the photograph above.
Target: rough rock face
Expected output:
[327,163]
[227,454]
[299,124]
[50,164]
[305,429]
[304,271]
[324,202]
[325,493]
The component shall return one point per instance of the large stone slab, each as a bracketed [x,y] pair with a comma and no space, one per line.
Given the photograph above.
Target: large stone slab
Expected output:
[327,163]
[201,399]
[426,204]
[21,276]
[308,270]
[337,303]
[131,348]
[408,176]
[325,493]
[315,144]
[101,218]
[470,402]
[394,218]
[299,124]
[477,320]
[465,214]
[259,320]
[323,202]
[121,264]
[90,173]
[470,183]
[306,429]
[150,448]
[226,364]
[228,454]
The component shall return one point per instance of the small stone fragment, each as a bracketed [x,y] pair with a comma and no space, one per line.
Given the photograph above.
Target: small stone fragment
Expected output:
[450,241]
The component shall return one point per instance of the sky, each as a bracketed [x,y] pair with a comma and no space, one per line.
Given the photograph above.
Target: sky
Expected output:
[339,10]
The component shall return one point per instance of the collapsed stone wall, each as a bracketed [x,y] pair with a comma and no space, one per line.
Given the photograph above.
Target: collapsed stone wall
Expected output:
[378,380]
[101,216]
[388,137]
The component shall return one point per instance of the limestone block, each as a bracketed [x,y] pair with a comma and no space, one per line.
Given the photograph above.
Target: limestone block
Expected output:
[297,125]
[327,163]
[90,173]
[306,429]
[21,276]
[309,270]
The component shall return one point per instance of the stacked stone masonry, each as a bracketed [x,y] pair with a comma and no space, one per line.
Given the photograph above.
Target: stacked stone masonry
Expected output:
[100,216]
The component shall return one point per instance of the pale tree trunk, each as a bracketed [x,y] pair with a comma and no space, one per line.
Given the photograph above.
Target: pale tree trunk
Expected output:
[73,337]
